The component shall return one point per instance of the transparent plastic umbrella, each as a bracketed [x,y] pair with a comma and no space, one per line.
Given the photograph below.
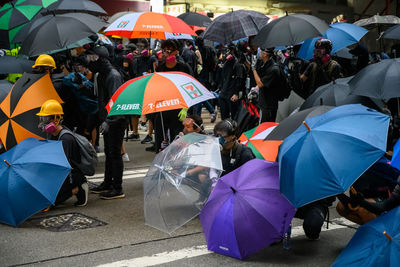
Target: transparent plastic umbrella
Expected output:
[179,181]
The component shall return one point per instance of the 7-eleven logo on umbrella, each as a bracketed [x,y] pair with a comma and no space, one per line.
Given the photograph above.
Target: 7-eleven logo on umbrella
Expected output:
[123,24]
[192,90]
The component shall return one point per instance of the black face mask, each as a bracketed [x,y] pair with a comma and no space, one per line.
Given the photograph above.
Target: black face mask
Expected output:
[95,66]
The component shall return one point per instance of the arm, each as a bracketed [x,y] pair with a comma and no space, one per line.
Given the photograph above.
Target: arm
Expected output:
[386,205]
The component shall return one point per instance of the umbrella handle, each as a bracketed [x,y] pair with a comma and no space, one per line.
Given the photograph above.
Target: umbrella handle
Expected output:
[387,236]
[8,163]
[308,127]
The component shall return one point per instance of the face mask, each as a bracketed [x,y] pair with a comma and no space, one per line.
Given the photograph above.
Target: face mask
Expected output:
[229,58]
[170,59]
[74,53]
[326,58]
[46,125]
[145,53]
[221,141]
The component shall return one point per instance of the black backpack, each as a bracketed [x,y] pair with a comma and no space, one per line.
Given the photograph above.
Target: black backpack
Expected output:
[284,85]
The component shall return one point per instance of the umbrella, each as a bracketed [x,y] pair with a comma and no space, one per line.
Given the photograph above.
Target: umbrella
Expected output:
[254,139]
[170,191]
[18,119]
[376,243]
[31,174]
[157,92]
[60,31]
[17,12]
[340,34]
[5,88]
[288,105]
[246,212]
[325,155]
[235,25]
[195,19]
[291,123]
[83,6]
[147,25]
[10,64]
[392,33]
[290,30]
[376,20]
[379,80]
[337,93]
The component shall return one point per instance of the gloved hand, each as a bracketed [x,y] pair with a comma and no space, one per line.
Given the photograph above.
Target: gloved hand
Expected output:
[182,114]
[355,197]
[104,127]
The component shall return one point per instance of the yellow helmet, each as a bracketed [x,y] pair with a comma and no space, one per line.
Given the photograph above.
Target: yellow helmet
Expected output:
[45,61]
[50,107]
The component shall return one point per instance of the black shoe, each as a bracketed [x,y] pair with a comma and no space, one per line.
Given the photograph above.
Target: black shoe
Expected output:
[112,194]
[101,188]
[147,139]
[151,148]
[134,136]
[82,195]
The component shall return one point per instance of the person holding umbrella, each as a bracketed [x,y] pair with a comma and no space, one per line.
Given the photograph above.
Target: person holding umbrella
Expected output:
[50,118]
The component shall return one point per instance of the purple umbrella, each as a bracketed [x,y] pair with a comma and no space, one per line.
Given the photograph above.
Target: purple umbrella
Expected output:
[246,212]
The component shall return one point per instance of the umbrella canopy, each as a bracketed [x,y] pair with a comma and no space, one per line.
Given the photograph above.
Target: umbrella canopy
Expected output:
[5,88]
[195,19]
[157,92]
[31,174]
[235,25]
[246,212]
[392,33]
[290,30]
[18,119]
[83,6]
[147,25]
[10,64]
[337,93]
[376,19]
[17,12]
[288,105]
[340,34]
[325,155]
[379,80]
[376,243]
[254,139]
[60,31]
[171,190]
[291,123]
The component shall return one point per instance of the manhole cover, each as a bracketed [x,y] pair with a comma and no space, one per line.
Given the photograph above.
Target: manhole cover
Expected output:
[67,222]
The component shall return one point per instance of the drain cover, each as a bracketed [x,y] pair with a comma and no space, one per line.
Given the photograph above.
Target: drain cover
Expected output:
[67,222]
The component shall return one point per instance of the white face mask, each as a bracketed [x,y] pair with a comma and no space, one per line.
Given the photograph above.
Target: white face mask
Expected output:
[92,58]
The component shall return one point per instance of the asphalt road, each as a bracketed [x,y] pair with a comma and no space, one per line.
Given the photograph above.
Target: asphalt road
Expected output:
[113,233]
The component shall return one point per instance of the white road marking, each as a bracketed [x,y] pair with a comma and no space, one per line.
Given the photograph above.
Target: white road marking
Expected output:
[130,174]
[195,251]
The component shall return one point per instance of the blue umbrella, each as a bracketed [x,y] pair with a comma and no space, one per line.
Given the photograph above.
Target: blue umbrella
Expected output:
[396,155]
[340,34]
[376,243]
[245,211]
[327,153]
[31,174]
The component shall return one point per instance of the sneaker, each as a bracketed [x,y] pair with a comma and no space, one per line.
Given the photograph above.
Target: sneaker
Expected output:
[112,194]
[142,127]
[213,117]
[147,139]
[82,195]
[134,136]
[151,148]
[100,189]
[125,157]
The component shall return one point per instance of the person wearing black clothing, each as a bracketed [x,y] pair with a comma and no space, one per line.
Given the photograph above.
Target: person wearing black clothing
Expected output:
[168,120]
[50,116]
[113,127]
[266,74]
[233,153]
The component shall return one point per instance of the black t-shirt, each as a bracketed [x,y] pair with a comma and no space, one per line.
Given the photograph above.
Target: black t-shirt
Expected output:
[269,75]
[238,156]
[180,66]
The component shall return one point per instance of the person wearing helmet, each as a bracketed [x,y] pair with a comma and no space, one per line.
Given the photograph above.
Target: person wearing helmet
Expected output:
[322,69]
[44,64]
[50,119]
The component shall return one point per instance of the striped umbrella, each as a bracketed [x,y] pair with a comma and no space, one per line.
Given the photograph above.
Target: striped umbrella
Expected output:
[148,25]
[157,92]
[254,139]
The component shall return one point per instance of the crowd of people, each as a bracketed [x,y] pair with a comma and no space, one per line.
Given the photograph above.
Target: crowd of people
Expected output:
[86,77]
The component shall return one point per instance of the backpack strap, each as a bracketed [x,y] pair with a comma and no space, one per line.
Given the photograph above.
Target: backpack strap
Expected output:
[238,154]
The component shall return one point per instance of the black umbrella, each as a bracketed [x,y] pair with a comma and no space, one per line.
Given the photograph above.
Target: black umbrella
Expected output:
[59,32]
[290,30]
[392,33]
[291,123]
[235,25]
[5,88]
[28,27]
[10,64]
[195,19]
[337,93]
[380,80]
[83,6]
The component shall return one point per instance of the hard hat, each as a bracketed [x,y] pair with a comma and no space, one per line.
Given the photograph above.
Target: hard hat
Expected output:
[50,107]
[45,61]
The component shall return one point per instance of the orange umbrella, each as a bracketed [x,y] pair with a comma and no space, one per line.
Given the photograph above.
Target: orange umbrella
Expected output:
[18,119]
[148,25]
[254,139]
